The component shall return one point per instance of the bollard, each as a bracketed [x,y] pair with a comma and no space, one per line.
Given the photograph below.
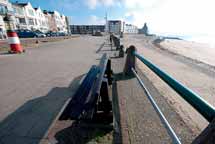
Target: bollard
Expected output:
[117,43]
[14,42]
[111,41]
[121,51]
[13,39]
[130,60]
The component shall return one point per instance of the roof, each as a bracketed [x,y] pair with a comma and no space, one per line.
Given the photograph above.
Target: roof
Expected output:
[51,12]
[20,4]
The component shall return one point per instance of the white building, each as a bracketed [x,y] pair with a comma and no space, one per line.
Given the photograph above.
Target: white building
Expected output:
[58,21]
[130,29]
[64,24]
[29,16]
[6,13]
[20,16]
[115,26]
[41,20]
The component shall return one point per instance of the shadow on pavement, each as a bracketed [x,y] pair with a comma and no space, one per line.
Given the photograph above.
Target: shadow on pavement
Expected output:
[121,76]
[117,135]
[96,131]
[101,46]
[118,132]
[30,122]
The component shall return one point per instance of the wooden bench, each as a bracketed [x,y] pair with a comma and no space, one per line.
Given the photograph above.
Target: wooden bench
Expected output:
[92,94]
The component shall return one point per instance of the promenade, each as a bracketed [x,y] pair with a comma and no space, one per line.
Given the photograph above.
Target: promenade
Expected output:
[35,86]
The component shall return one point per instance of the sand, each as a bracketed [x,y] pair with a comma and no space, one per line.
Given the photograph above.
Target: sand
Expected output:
[197,51]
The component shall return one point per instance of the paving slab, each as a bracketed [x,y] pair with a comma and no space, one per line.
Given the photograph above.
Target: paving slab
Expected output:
[139,123]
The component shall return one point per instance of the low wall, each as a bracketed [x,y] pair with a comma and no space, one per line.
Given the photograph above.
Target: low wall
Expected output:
[32,42]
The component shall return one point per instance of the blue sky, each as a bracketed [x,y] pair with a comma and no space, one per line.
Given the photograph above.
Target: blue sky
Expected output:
[80,11]
[173,17]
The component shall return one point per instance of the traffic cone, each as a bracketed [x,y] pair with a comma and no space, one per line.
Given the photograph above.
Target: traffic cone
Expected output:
[14,42]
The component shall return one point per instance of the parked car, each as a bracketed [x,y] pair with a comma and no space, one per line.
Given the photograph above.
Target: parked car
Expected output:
[28,34]
[97,33]
[51,34]
[61,34]
[41,34]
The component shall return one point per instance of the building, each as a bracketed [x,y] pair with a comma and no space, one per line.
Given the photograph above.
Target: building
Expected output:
[20,16]
[64,24]
[130,29]
[144,30]
[115,26]
[41,20]
[58,21]
[24,16]
[7,20]
[30,17]
[51,21]
[86,29]
[68,22]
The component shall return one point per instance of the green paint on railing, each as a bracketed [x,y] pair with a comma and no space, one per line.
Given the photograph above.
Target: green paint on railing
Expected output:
[202,106]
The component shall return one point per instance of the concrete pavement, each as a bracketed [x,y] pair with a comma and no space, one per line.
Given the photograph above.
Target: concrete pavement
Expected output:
[35,85]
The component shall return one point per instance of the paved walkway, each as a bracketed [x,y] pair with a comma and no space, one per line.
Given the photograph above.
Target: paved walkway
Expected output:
[136,120]
[35,85]
[139,121]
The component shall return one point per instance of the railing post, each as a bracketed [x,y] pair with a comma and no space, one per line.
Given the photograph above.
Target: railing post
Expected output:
[117,43]
[130,60]
[111,41]
[207,136]
[121,51]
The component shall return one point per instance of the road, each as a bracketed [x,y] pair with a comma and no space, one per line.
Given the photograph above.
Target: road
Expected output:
[41,79]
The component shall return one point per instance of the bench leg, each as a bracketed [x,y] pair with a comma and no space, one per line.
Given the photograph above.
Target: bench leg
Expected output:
[105,103]
[108,72]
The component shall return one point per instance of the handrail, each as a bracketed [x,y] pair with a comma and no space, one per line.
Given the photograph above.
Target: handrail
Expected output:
[202,106]
[170,131]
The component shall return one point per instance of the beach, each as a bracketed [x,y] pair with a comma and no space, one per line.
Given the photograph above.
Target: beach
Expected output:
[190,65]
[201,52]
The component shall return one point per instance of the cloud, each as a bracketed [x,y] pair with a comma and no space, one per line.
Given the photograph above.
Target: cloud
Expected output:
[134,4]
[92,4]
[172,16]
[180,17]
[94,20]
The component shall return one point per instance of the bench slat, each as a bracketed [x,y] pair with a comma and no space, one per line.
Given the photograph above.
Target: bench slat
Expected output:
[76,105]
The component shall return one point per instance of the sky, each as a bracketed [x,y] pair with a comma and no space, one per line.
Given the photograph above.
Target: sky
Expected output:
[166,17]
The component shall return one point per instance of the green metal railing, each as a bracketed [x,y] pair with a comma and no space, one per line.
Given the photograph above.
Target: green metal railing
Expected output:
[202,106]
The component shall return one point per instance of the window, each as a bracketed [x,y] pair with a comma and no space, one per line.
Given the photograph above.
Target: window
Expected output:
[22,21]
[19,11]
[3,9]
[30,21]
[31,12]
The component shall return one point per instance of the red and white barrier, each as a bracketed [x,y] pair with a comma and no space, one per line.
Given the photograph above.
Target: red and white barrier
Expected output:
[14,42]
